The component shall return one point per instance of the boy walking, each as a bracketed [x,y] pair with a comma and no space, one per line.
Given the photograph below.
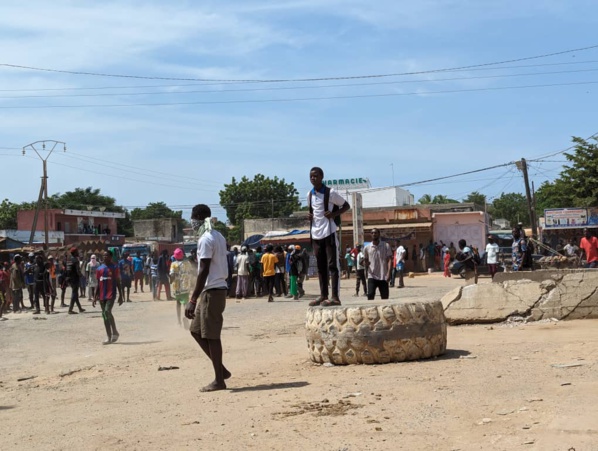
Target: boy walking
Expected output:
[325,205]
[108,277]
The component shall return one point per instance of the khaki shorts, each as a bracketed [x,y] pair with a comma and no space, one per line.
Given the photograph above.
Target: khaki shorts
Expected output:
[208,314]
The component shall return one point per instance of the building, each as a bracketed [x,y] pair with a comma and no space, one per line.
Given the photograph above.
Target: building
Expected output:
[162,229]
[68,226]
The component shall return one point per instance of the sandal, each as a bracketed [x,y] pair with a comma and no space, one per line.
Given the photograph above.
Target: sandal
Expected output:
[319,301]
[331,302]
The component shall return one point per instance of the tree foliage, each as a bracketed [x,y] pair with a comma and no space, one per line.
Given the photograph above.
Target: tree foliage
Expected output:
[475,197]
[8,215]
[577,184]
[511,206]
[437,199]
[155,210]
[261,197]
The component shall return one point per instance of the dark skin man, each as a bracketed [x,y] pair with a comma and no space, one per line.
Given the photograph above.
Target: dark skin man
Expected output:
[211,347]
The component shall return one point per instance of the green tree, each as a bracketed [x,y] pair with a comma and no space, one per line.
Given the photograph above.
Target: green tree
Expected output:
[577,184]
[475,197]
[511,206]
[225,231]
[155,210]
[442,199]
[425,199]
[8,215]
[261,197]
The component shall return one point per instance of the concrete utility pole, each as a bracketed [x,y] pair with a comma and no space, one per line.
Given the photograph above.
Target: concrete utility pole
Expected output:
[44,186]
[522,166]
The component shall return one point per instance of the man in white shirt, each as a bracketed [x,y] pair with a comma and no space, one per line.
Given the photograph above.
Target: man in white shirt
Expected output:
[400,265]
[211,289]
[323,235]
[378,263]
[360,271]
[492,251]
[571,250]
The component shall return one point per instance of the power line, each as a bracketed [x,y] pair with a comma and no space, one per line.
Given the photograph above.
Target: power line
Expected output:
[283,80]
[233,83]
[362,96]
[563,150]
[288,88]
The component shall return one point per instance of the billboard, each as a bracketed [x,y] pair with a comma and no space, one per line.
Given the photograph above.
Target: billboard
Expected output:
[348,184]
[563,218]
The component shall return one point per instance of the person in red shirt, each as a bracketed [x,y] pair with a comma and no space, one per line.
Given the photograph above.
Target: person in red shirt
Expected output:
[108,284]
[589,247]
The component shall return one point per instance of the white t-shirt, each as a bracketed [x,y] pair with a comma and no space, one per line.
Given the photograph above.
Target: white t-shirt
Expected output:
[243,265]
[571,250]
[360,258]
[400,254]
[492,250]
[212,245]
[321,226]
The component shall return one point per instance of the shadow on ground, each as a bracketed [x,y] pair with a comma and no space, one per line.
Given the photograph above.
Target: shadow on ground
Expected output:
[277,386]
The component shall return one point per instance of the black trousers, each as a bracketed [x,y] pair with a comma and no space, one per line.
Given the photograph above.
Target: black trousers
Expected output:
[326,252]
[360,279]
[382,286]
[75,297]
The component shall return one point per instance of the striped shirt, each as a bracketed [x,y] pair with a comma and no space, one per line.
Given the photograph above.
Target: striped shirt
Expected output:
[107,276]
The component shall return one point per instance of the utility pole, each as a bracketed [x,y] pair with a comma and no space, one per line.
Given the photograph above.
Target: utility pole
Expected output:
[522,166]
[44,186]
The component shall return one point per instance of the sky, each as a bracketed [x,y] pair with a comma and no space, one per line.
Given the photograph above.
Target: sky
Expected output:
[141,138]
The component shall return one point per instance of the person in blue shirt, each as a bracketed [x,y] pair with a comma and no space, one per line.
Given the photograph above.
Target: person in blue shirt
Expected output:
[138,266]
[125,268]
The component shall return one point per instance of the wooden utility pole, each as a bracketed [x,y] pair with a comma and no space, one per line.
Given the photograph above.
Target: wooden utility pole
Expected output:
[528,194]
[44,187]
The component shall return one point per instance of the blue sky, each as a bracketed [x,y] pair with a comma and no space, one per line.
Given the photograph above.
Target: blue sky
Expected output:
[183,154]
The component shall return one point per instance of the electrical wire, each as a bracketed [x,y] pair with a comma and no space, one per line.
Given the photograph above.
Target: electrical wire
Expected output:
[288,88]
[362,96]
[234,83]
[283,80]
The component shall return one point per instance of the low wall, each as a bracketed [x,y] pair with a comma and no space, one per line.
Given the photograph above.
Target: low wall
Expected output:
[535,295]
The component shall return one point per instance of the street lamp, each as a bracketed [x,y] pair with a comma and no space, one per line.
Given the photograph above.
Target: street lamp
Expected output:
[43,191]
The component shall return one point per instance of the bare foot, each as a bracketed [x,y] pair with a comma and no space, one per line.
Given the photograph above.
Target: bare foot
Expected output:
[214,386]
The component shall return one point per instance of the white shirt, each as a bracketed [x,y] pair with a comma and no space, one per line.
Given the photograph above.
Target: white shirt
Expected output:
[378,257]
[400,254]
[571,250]
[360,258]
[243,265]
[212,245]
[321,226]
[492,250]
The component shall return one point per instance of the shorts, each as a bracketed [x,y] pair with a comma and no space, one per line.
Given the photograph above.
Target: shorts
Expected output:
[208,314]
[126,283]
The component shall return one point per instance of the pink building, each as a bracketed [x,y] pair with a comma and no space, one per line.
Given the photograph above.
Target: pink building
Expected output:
[77,225]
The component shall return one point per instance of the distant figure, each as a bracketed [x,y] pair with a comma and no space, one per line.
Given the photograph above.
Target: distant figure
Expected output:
[519,248]
[378,264]
[589,248]
[268,262]
[465,255]
[360,271]
[138,267]
[492,250]
[164,275]
[108,285]
[243,274]
[73,275]
[400,263]
[125,268]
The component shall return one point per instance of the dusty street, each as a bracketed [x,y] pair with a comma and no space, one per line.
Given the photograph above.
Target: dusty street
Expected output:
[495,388]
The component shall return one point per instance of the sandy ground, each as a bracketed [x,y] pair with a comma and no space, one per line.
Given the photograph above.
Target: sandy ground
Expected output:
[495,388]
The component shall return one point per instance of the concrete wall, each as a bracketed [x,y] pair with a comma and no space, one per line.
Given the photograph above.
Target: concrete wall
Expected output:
[530,296]
[60,222]
[164,229]
[262,226]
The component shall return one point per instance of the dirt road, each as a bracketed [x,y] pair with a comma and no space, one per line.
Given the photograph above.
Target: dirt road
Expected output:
[496,387]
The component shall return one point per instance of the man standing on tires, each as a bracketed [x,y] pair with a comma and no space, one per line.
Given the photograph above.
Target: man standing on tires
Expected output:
[211,290]
[378,264]
[323,235]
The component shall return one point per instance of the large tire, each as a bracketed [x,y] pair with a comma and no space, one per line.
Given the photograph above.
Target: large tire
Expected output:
[376,334]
